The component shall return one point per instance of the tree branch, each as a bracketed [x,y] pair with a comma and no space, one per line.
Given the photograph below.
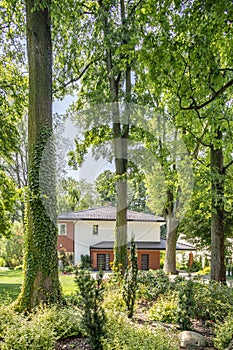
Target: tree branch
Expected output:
[75,79]
[134,7]
[227,166]
[211,99]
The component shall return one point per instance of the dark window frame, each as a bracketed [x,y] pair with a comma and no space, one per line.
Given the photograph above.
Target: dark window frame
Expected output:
[95,229]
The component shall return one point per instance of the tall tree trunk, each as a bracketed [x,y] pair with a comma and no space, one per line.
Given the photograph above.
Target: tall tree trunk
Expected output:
[120,134]
[121,164]
[171,237]
[218,269]
[41,282]
[121,131]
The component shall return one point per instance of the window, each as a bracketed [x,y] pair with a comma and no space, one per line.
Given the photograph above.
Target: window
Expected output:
[145,262]
[103,262]
[62,229]
[95,229]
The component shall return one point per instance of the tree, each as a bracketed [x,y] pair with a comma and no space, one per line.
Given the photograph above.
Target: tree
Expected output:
[12,100]
[68,201]
[107,78]
[195,78]
[105,185]
[11,249]
[75,195]
[168,181]
[41,282]
[17,170]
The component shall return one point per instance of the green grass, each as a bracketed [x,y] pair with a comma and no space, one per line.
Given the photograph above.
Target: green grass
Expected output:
[11,280]
[68,284]
[10,283]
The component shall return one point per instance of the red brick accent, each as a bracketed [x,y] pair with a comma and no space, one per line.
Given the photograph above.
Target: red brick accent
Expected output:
[154,257]
[94,253]
[190,262]
[67,241]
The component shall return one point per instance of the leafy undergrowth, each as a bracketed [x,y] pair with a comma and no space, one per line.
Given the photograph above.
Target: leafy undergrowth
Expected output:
[163,309]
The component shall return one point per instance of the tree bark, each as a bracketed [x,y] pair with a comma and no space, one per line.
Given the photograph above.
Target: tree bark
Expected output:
[121,164]
[171,237]
[41,282]
[218,269]
[120,135]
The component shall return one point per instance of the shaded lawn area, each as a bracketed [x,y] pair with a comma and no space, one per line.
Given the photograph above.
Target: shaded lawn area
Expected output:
[11,280]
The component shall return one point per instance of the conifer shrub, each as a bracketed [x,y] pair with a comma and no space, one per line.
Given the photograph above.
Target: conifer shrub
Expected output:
[130,283]
[93,318]
[185,310]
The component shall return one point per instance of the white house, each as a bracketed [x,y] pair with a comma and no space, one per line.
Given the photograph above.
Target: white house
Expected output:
[91,232]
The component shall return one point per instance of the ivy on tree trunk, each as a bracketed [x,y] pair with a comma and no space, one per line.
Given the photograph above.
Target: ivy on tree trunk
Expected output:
[41,282]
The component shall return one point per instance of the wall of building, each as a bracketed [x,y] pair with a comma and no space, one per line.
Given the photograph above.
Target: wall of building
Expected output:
[67,241]
[144,231]
[154,257]
[84,237]
[94,256]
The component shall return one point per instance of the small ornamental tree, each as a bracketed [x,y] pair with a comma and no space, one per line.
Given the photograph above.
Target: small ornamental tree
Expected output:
[131,280]
[91,291]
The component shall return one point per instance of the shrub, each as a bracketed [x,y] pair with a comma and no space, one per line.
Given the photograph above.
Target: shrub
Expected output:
[66,321]
[40,330]
[223,333]
[205,271]
[186,302]
[2,262]
[123,335]
[85,262]
[162,259]
[196,266]
[11,250]
[93,319]
[152,284]
[5,298]
[113,300]
[165,308]
[131,281]
[69,269]
[8,318]
[34,334]
[213,301]
[73,299]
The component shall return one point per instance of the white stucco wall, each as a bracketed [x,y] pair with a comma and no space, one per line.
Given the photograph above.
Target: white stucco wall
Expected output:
[84,238]
[144,231]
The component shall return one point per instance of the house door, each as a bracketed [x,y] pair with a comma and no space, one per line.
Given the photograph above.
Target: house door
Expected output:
[145,261]
[103,261]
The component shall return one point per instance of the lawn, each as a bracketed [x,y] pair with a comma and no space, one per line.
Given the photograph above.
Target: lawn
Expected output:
[11,280]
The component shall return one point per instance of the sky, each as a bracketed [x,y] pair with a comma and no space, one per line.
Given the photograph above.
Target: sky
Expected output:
[90,168]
